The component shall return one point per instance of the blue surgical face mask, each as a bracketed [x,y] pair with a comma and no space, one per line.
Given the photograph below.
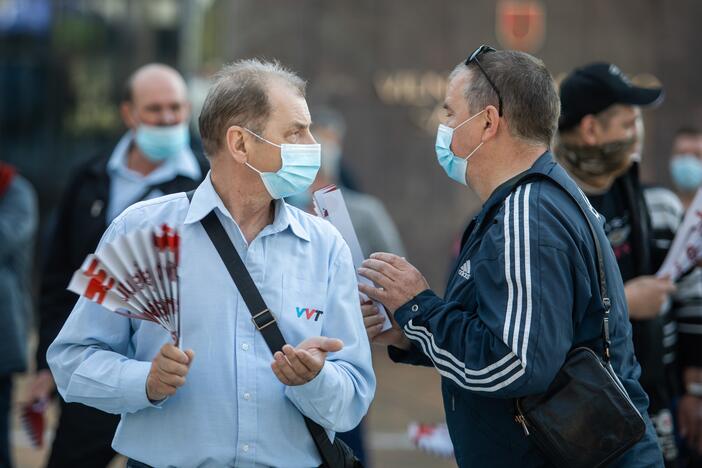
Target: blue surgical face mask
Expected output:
[686,170]
[162,143]
[300,164]
[454,166]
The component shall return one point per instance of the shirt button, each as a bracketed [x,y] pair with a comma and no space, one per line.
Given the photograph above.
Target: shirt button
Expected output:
[245,346]
[247,396]
[415,308]
[245,447]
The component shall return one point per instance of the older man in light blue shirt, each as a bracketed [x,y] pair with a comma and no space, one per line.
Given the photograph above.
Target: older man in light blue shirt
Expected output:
[233,404]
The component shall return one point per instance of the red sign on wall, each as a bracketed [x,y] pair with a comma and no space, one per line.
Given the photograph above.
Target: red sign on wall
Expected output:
[521,24]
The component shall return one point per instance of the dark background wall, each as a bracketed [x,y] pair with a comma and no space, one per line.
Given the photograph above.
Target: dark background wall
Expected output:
[378,62]
[383,63]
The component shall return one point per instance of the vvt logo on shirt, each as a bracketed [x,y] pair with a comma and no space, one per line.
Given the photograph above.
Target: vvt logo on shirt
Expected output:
[464,271]
[308,313]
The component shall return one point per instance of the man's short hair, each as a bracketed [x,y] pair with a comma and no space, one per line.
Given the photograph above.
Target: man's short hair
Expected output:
[530,100]
[239,96]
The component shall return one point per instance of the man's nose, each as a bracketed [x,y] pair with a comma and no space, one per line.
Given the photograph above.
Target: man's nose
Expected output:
[309,139]
[168,117]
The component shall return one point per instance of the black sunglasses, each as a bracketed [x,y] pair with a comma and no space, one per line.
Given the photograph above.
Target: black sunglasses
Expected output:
[484,49]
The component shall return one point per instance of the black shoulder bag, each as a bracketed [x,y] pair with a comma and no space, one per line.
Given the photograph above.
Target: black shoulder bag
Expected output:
[334,455]
[585,419]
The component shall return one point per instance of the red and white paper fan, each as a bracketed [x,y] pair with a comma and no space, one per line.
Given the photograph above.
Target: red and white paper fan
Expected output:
[136,276]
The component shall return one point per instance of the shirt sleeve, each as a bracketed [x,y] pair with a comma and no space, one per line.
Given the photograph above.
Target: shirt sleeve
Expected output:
[340,395]
[88,357]
[510,338]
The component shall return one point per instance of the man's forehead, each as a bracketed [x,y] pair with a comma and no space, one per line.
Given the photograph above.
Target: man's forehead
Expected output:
[689,142]
[457,83]
[626,111]
[455,91]
[158,88]
[286,101]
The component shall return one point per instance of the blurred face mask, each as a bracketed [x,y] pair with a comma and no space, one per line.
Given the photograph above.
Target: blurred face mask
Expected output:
[454,166]
[160,143]
[300,164]
[586,162]
[686,171]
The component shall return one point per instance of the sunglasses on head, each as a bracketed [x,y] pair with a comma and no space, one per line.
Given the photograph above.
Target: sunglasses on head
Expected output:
[473,58]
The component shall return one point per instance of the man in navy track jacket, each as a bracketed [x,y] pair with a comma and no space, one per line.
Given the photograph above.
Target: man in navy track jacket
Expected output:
[525,289]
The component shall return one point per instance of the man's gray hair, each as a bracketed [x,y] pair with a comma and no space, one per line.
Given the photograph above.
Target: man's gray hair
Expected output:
[530,101]
[239,96]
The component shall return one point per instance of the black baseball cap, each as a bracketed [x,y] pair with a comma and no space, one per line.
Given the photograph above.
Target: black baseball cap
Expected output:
[593,88]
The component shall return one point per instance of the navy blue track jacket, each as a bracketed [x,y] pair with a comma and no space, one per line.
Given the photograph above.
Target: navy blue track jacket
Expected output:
[524,293]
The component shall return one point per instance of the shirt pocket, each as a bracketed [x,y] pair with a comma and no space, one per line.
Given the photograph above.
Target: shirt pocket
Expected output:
[302,313]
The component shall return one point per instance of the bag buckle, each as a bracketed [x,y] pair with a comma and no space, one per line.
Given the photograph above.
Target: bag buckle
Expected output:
[263,319]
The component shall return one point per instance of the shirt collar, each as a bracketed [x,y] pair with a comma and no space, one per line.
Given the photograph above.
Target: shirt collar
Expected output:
[184,164]
[205,199]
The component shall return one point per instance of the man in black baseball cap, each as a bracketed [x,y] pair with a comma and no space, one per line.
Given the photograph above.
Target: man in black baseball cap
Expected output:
[599,143]
[591,89]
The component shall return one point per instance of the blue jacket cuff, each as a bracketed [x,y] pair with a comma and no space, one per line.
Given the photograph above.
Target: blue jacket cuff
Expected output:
[418,305]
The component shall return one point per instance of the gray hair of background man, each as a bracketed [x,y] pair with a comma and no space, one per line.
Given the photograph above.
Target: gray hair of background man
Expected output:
[239,96]
[530,102]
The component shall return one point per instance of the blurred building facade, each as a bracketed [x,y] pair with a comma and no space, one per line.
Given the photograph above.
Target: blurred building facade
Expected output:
[382,63]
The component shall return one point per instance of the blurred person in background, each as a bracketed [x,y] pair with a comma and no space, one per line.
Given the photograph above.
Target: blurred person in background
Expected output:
[498,334]
[686,163]
[18,225]
[686,172]
[153,158]
[374,227]
[600,142]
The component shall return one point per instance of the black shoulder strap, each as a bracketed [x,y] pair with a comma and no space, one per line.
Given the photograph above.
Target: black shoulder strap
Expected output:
[263,320]
[261,316]
[584,208]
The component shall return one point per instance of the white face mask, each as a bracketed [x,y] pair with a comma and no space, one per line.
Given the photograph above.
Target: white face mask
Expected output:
[300,164]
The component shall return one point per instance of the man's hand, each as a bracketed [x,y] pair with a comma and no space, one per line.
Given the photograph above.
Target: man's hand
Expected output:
[690,420]
[397,279]
[297,366]
[645,296]
[168,371]
[374,320]
[42,387]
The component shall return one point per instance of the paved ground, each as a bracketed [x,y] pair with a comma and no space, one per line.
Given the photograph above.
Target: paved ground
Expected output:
[404,394]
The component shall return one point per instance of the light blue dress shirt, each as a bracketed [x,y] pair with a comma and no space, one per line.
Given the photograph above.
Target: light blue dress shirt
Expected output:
[232,411]
[126,185]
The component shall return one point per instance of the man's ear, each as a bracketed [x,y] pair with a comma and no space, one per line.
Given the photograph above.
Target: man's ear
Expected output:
[588,129]
[126,110]
[492,123]
[238,143]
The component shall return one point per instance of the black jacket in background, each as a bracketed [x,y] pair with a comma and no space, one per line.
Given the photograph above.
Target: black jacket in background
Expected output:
[80,223]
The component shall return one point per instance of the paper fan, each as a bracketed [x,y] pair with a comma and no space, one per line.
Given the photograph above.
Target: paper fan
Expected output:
[136,276]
